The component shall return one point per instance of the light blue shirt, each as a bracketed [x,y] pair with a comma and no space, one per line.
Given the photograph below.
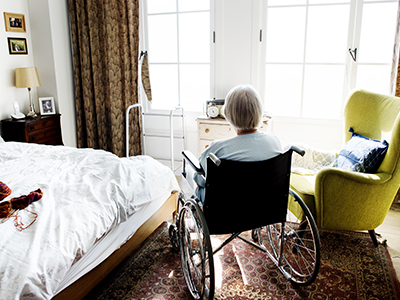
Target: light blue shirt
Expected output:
[247,147]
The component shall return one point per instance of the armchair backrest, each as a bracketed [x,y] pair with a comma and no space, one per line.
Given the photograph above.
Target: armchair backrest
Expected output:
[378,117]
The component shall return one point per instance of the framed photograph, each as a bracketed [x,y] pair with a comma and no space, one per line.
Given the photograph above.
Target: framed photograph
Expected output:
[17,46]
[47,106]
[14,22]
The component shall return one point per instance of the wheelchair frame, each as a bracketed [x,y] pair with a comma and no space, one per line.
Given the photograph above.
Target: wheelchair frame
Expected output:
[293,245]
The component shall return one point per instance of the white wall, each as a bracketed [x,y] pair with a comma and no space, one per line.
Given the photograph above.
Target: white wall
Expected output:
[8,63]
[49,51]
[237,25]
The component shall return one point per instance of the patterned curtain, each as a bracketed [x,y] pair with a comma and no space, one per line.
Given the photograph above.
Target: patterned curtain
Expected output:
[145,75]
[105,43]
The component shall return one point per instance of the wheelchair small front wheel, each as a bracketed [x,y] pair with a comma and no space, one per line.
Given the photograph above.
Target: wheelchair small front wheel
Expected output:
[174,237]
[196,252]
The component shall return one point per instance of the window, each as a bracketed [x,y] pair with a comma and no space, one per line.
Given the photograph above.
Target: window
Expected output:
[309,69]
[178,41]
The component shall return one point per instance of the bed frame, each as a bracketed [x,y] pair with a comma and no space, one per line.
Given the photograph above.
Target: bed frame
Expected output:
[85,284]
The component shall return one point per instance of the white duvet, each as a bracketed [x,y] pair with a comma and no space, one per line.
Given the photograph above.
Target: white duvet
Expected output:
[85,193]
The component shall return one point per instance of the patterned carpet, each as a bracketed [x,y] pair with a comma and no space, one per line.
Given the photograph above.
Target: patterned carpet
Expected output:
[351,268]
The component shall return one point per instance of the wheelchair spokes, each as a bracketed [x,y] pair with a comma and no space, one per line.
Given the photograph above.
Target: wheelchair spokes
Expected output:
[294,245]
[196,252]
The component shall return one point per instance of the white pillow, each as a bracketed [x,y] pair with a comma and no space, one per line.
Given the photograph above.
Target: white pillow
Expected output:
[1,139]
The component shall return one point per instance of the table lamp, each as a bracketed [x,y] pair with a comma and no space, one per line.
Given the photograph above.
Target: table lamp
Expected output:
[27,78]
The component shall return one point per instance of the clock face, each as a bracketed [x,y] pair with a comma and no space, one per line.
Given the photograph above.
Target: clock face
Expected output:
[213,111]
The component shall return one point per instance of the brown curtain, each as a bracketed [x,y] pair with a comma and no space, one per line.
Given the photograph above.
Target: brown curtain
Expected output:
[105,38]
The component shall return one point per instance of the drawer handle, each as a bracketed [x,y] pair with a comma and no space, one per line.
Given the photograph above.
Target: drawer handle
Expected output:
[207,130]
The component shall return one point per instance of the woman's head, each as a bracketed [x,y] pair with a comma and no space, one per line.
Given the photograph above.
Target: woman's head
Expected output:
[243,107]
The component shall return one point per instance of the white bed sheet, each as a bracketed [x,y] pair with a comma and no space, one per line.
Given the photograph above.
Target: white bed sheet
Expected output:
[83,199]
[118,236]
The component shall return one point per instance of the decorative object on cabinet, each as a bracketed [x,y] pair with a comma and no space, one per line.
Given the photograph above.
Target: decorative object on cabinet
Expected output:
[214,108]
[218,128]
[27,78]
[17,45]
[14,22]
[17,113]
[41,130]
[47,106]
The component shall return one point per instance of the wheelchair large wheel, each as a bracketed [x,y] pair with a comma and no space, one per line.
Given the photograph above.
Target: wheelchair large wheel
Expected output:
[295,244]
[196,251]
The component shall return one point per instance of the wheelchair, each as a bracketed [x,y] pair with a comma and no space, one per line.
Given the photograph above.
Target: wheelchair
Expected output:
[242,196]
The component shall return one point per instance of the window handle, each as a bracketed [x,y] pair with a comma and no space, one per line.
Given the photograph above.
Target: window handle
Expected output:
[353,53]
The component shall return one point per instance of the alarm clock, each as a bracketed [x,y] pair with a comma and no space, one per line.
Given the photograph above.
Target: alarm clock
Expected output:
[213,111]
[214,108]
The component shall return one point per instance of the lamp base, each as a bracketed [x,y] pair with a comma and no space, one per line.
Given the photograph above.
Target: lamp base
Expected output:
[32,114]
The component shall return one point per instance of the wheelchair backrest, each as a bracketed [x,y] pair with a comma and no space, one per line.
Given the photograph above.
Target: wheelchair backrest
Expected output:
[240,196]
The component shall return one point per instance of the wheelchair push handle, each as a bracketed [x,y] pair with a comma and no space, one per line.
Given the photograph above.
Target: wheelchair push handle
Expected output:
[297,150]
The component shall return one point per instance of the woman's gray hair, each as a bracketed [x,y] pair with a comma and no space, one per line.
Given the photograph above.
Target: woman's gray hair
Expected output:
[243,107]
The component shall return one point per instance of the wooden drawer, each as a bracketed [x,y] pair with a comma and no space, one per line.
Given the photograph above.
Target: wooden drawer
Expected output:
[215,131]
[203,145]
[41,124]
[41,137]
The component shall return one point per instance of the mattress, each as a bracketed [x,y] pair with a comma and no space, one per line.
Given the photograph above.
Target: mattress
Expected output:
[87,194]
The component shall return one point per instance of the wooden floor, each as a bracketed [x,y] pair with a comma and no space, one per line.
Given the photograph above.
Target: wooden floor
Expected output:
[390,230]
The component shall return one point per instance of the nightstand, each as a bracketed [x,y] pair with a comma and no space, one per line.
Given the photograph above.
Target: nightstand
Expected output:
[41,130]
[209,129]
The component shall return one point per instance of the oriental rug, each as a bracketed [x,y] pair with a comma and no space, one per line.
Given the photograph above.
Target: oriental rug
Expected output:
[351,268]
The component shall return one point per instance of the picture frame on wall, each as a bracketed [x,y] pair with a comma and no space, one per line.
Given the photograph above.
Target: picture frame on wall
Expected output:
[17,45]
[14,22]
[47,106]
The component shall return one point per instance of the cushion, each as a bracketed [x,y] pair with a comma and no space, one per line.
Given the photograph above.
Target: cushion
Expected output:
[361,154]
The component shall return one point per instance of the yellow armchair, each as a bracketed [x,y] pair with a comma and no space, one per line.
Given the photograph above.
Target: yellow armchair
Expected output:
[347,200]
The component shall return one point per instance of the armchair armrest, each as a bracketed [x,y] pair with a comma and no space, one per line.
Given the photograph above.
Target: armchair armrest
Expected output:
[347,200]
[365,178]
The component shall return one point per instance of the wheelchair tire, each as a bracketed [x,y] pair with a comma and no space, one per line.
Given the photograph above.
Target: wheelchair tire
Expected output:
[298,253]
[196,251]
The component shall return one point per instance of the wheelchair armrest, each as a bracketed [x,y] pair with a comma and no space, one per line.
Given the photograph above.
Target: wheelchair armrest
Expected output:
[192,160]
[298,150]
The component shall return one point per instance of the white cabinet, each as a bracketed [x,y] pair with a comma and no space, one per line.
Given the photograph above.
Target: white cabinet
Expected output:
[216,129]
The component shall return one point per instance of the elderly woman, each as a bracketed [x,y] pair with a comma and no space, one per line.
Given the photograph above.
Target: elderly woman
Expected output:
[243,110]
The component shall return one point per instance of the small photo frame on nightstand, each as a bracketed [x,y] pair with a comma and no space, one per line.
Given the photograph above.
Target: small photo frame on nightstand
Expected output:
[47,106]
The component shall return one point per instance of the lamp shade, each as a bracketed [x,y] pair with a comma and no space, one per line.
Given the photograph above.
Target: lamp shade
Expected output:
[26,77]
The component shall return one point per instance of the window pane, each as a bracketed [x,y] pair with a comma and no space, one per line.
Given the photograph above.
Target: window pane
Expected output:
[327,1]
[193,5]
[283,89]
[195,86]
[323,91]
[378,32]
[194,37]
[285,2]
[161,6]
[162,38]
[285,34]
[327,34]
[374,78]
[164,86]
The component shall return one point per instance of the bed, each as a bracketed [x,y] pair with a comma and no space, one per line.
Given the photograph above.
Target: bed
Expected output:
[95,209]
